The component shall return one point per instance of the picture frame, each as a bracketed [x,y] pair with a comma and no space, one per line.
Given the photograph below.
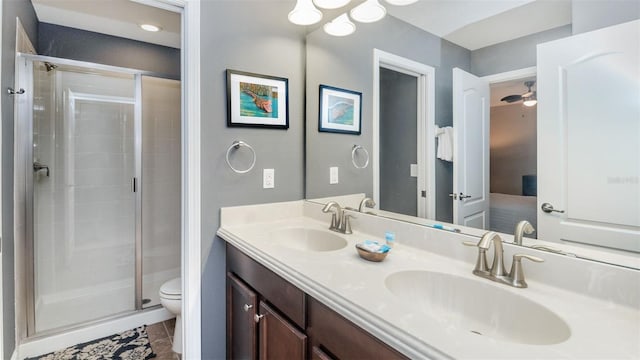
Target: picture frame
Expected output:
[340,110]
[255,100]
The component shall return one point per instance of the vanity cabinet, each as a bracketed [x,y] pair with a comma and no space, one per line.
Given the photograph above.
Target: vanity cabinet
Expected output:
[269,318]
[334,337]
[265,313]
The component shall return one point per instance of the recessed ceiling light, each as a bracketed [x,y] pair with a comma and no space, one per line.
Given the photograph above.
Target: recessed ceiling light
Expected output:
[149,27]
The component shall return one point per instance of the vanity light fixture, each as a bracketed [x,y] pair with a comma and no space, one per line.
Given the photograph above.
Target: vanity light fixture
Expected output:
[330,4]
[340,26]
[368,12]
[150,27]
[530,100]
[304,13]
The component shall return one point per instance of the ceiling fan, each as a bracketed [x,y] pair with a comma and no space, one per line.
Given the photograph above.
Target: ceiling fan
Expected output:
[528,98]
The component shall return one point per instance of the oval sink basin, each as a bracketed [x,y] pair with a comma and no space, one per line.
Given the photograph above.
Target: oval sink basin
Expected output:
[308,239]
[480,308]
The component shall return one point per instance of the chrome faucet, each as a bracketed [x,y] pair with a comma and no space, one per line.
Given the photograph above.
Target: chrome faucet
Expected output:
[497,272]
[523,227]
[366,202]
[339,219]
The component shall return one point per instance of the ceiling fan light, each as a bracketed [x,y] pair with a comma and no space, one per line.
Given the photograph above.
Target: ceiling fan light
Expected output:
[330,4]
[368,12]
[340,26]
[401,2]
[304,13]
[530,100]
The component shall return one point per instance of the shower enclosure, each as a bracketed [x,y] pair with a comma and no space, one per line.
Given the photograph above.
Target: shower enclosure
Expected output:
[98,149]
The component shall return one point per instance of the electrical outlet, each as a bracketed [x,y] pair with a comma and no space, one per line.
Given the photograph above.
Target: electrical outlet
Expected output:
[268,178]
[333,175]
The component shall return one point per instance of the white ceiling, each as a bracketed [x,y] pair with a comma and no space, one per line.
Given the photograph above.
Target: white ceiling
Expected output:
[480,23]
[472,24]
[113,17]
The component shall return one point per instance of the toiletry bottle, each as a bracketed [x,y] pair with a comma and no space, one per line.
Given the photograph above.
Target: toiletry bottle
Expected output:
[390,238]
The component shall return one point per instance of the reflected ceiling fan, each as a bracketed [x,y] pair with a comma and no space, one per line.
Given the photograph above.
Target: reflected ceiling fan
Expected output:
[528,98]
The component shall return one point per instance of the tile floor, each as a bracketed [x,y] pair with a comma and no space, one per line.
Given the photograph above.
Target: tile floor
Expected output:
[161,338]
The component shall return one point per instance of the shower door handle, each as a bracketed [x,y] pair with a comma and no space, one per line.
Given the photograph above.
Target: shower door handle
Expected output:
[37,166]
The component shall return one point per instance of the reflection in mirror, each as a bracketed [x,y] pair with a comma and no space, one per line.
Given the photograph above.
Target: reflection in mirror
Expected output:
[530,163]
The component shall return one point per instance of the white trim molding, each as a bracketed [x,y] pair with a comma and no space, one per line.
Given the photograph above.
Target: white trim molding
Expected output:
[426,122]
[511,75]
[191,195]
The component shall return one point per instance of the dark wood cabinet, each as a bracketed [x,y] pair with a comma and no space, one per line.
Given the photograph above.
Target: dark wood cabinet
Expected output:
[242,330]
[269,318]
[332,334]
[279,339]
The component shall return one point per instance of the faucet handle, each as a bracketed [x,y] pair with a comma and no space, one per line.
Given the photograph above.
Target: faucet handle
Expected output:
[346,224]
[518,257]
[516,274]
[481,262]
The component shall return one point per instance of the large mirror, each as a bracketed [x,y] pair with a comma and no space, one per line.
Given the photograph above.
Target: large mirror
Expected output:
[419,67]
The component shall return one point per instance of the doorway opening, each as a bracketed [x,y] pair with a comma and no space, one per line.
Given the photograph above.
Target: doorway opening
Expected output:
[403,171]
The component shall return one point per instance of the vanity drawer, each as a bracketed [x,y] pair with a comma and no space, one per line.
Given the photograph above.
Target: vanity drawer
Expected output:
[341,338]
[287,298]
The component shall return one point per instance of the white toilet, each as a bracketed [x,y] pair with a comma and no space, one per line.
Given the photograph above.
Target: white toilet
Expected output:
[171,299]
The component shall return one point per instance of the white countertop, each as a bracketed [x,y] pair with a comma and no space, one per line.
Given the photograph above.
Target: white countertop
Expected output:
[355,288]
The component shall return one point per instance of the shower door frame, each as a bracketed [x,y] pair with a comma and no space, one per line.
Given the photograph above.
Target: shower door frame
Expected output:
[25,108]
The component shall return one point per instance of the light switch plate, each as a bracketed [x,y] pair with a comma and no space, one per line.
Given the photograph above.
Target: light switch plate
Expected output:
[268,178]
[414,170]
[333,175]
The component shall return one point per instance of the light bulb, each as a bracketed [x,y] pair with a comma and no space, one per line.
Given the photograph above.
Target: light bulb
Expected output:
[340,26]
[149,27]
[304,13]
[368,12]
[530,100]
[330,4]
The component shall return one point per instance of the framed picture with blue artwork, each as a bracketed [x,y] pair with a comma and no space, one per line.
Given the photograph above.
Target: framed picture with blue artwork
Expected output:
[340,110]
[255,100]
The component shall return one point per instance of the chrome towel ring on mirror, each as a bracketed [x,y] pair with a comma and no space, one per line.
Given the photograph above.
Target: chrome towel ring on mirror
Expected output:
[353,156]
[236,145]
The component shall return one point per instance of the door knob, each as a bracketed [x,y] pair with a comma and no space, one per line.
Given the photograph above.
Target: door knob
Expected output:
[257,318]
[246,307]
[463,196]
[548,208]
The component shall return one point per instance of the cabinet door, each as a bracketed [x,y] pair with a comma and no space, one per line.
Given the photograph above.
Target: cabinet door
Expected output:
[279,339]
[242,302]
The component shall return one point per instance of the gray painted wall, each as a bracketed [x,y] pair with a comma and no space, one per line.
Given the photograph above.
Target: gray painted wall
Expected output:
[247,38]
[398,114]
[10,10]
[513,147]
[587,15]
[513,54]
[69,43]
[348,63]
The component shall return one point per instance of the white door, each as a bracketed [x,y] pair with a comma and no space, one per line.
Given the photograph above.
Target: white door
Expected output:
[471,103]
[589,138]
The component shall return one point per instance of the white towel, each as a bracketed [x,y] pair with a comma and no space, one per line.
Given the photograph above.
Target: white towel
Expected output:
[445,144]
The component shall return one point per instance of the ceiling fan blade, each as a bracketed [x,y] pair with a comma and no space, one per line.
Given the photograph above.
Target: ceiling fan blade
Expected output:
[511,98]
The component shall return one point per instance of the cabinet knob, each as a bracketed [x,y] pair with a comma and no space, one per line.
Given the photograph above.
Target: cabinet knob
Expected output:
[257,317]
[246,307]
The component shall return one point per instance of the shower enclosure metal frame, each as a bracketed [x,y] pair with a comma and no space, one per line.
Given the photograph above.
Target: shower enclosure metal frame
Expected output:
[24,72]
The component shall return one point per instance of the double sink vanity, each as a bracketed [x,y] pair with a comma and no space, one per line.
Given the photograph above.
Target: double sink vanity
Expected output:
[422,301]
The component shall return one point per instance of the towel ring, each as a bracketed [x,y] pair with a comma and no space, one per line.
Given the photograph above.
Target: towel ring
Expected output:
[353,156]
[236,145]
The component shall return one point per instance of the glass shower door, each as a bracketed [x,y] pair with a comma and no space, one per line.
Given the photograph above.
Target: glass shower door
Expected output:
[84,207]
